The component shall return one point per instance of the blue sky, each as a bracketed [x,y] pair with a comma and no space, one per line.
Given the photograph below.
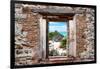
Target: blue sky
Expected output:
[59,26]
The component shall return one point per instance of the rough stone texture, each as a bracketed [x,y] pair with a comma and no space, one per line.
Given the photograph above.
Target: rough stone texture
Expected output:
[85,33]
[26,36]
[81,26]
[27,31]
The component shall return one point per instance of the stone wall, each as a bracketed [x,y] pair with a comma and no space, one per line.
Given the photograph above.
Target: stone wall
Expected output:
[26,36]
[85,33]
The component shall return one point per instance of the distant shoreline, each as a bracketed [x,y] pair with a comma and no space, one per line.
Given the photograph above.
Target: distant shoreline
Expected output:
[63,33]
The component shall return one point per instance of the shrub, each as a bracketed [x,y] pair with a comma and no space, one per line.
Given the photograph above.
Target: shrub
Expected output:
[63,43]
[53,53]
[52,34]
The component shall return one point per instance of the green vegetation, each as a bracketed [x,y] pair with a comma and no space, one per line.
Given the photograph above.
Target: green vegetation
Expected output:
[53,34]
[63,54]
[53,53]
[63,43]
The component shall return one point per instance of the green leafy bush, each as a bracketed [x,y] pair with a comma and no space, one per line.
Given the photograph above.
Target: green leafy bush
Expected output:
[63,43]
[53,34]
[53,53]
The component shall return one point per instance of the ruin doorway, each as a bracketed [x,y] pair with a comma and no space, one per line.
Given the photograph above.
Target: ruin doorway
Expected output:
[68,21]
[62,37]
[57,39]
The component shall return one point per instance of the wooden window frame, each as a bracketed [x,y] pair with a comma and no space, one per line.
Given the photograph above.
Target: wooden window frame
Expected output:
[61,18]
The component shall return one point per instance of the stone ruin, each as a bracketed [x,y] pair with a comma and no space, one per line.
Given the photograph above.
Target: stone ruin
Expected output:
[28,49]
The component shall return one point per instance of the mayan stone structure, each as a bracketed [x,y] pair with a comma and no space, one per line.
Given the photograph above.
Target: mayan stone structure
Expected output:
[27,32]
[27,36]
[85,35]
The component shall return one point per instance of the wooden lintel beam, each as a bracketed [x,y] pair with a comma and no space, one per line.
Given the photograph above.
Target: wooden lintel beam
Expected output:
[57,14]
[58,17]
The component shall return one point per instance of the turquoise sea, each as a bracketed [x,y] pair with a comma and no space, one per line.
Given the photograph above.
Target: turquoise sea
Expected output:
[64,33]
